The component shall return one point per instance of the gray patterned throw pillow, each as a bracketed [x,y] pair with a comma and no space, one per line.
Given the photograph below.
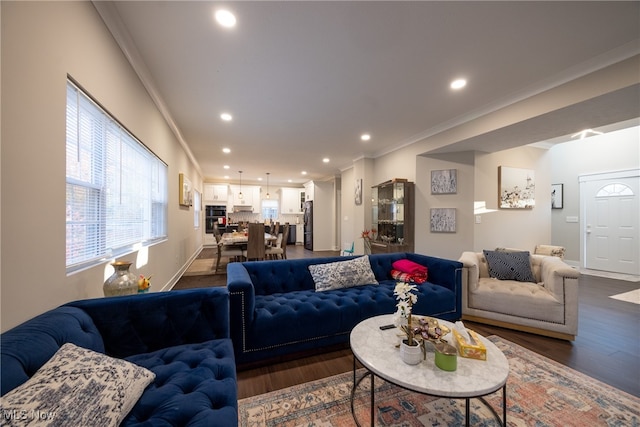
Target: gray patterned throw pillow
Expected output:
[343,274]
[510,265]
[76,387]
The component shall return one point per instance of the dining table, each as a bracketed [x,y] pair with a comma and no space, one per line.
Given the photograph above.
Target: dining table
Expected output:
[240,238]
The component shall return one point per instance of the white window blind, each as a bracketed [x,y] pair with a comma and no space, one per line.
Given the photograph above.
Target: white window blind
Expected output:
[116,188]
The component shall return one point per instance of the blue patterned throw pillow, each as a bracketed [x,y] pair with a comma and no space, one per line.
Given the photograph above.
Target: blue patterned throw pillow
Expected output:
[77,387]
[510,265]
[343,274]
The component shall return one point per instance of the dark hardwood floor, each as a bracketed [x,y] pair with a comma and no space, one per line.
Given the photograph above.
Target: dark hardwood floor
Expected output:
[607,347]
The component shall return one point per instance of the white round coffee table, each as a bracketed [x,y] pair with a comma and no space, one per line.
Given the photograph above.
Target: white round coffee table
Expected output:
[376,350]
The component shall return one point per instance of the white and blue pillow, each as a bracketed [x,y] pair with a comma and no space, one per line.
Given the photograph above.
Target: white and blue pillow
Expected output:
[342,274]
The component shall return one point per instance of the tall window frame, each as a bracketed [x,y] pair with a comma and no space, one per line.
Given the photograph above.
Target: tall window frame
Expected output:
[116,188]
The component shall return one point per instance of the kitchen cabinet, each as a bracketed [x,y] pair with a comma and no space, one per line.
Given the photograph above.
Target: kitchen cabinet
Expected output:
[215,193]
[250,198]
[309,191]
[299,234]
[290,200]
[393,216]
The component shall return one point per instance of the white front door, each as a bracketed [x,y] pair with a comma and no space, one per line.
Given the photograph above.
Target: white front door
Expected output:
[611,221]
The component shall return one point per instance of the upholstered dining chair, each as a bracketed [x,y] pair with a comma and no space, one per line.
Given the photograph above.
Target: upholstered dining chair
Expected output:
[255,244]
[280,248]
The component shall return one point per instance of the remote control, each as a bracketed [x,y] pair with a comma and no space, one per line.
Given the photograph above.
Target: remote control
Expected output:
[385,327]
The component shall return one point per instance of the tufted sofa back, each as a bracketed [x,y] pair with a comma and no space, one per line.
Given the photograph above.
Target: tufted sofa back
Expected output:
[270,277]
[25,348]
[143,323]
[118,326]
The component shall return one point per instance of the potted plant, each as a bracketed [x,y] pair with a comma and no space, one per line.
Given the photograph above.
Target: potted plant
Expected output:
[411,350]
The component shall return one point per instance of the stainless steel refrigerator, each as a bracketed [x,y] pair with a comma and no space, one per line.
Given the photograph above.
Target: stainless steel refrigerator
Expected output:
[308,225]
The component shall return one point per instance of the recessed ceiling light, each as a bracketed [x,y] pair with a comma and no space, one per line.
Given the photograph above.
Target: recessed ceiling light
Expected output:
[458,84]
[289,180]
[304,172]
[226,177]
[226,166]
[226,117]
[365,137]
[225,18]
[326,160]
[226,150]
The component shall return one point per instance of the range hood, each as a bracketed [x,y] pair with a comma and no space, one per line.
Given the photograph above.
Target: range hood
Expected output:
[242,208]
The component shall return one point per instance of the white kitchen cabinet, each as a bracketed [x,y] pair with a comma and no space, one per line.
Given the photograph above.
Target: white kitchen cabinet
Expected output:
[299,234]
[290,200]
[215,193]
[250,197]
[309,188]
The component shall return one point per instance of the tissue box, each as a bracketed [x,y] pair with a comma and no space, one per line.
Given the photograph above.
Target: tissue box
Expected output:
[469,350]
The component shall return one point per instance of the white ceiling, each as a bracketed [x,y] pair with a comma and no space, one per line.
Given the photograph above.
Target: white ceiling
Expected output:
[303,80]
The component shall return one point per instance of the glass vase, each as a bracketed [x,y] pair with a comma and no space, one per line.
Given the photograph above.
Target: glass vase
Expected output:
[121,282]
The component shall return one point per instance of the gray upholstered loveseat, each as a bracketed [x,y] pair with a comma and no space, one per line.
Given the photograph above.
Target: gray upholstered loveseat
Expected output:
[546,306]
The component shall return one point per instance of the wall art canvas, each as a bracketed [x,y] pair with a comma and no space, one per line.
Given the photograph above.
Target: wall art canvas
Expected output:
[443,220]
[185,191]
[557,196]
[358,192]
[444,181]
[516,188]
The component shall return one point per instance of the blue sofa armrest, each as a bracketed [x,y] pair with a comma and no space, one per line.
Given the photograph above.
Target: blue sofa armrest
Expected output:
[443,272]
[143,323]
[242,301]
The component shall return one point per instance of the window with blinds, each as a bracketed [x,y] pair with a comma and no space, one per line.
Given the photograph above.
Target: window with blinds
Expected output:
[116,187]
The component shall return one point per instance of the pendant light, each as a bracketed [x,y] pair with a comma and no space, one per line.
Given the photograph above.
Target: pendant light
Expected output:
[240,196]
[268,195]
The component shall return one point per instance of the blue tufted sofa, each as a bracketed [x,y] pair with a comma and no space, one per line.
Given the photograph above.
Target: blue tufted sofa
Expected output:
[181,336]
[275,310]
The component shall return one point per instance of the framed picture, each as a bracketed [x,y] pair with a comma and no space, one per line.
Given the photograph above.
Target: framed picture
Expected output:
[443,220]
[444,181]
[185,191]
[358,192]
[557,196]
[516,188]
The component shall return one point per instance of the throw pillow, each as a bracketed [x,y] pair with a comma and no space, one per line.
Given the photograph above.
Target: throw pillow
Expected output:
[509,265]
[77,387]
[343,274]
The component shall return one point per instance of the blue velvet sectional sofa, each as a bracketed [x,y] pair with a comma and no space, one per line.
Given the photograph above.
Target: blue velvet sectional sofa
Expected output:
[275,309]
[181,336]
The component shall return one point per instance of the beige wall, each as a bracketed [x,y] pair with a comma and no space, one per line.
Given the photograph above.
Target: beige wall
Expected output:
[610,152]
[42,42]
[514,228]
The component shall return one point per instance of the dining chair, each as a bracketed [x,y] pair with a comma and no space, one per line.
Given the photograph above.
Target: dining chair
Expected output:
[229,251]
[256,243]
[280,249]
[347,250]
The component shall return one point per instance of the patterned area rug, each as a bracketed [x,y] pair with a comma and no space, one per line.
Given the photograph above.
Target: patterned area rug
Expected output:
[540,392]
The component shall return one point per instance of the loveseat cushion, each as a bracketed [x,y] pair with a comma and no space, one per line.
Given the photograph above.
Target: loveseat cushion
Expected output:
[509,265]
[195,385]
[343,274]
[78,387]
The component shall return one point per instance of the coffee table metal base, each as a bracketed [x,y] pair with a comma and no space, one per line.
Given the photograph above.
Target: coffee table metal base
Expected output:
[357,382]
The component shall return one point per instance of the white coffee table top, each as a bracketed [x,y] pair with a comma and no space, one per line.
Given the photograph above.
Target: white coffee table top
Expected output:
[376,350]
